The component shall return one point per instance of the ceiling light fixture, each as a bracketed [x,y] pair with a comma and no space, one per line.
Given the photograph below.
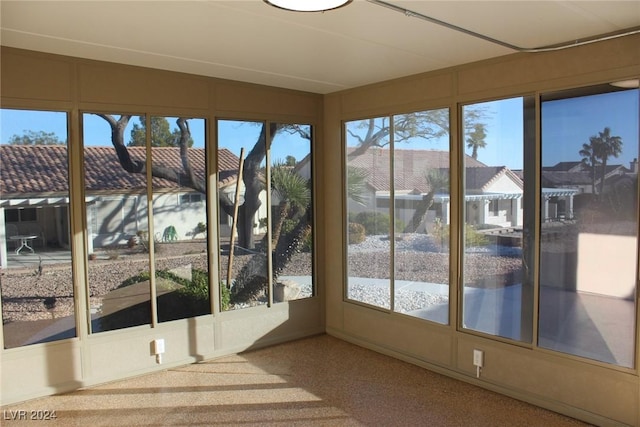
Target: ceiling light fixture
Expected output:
[627,84]
[308,5]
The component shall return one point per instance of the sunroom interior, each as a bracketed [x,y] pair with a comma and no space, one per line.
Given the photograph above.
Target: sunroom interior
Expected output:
[448,191]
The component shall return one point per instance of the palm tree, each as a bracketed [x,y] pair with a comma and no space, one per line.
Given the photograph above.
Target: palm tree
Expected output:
[294,194]
[590,160]
[605,147]
[356,184]
[475,139]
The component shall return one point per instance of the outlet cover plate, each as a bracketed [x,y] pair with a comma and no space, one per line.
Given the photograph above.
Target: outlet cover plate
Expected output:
[478,356]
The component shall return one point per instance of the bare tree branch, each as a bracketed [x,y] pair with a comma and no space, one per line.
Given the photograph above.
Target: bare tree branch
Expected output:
[185,178]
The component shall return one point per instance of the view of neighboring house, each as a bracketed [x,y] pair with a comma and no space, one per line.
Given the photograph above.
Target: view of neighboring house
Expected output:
[34,196]
[493,196]
[493,193]
[575,175]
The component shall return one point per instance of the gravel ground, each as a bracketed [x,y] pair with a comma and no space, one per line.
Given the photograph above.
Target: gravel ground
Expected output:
[24,291]
[417,259]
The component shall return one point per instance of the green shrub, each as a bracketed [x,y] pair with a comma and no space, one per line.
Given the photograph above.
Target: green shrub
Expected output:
[374,222]
[197,288]
[473,238]
[356,233]
[225,297]
[287,227]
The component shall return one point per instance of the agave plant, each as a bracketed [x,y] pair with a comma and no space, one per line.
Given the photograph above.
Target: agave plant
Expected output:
[294,194]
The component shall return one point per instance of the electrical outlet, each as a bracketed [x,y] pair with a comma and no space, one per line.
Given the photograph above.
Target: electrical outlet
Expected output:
[158,346]
[478,358]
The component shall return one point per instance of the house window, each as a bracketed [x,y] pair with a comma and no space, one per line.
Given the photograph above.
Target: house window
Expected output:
[408,156]
[35,165]
[120,238]
[284,167]
[180,230]
[497,294]
[588,277]
[190,198]
[20,215]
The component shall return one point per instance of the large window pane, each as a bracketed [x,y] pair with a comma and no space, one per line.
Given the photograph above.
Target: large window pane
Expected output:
[117,224]
[291,212]
[243,213]
[588,248]
[35,253]
[368,166]
[179,216]
[421,211]
[497,296]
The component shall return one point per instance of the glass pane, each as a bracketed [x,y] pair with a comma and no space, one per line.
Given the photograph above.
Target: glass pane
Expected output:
[243,214]
[179,215]
[497,297]
[421,203]
[291,212]
[117,230]
[369,223]
[588,248]
[35,253]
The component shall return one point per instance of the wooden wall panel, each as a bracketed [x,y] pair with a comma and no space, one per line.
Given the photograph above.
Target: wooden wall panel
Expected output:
[237,97]
[527,68]
[26,75]
[402,94]
[600,390]
[119,84]
[411,337]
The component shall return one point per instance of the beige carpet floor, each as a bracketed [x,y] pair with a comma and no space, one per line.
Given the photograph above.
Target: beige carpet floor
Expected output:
[320,381]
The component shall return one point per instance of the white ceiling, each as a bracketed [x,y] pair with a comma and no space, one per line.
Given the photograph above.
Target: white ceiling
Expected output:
[250,41]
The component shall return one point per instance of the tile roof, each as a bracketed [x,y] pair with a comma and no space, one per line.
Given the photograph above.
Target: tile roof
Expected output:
[478,178]
[575,166]
[556,179]
[43,168]
[33,169]
[410,167]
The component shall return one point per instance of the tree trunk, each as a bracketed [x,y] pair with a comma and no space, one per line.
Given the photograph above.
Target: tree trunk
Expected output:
[603,174]
[254,185]
[419,213]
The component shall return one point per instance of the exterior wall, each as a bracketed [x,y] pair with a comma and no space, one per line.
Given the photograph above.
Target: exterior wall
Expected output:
[33,80]
[115,219]
[594,392]
[261,214]
[503,184]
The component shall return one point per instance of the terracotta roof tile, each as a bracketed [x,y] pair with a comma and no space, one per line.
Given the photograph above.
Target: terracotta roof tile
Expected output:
[410,167]
[43,168]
